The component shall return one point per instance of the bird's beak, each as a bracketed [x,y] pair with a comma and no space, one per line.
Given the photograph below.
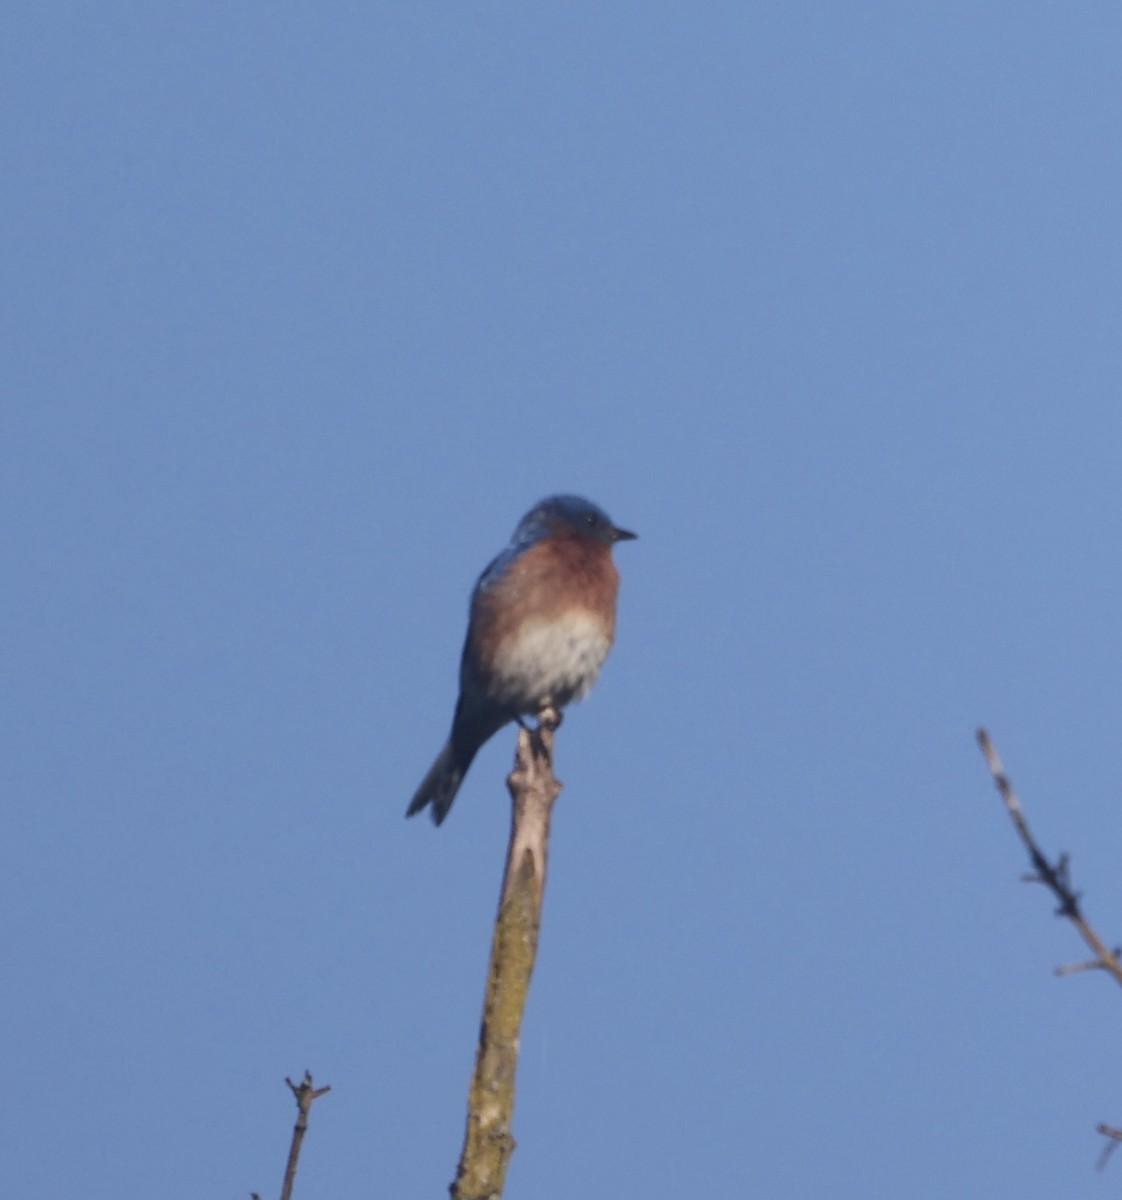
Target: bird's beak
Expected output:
[623,535]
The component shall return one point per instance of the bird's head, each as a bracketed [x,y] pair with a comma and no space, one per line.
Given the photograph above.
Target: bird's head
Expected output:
[572,516]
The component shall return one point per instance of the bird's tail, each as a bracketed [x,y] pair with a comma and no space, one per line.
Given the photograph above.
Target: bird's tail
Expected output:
[473,725]
[440,785]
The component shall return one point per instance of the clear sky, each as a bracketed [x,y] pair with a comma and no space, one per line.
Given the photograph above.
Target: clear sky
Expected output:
[303,306]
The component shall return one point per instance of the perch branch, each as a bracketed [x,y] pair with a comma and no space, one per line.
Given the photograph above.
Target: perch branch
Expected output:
[488,1141]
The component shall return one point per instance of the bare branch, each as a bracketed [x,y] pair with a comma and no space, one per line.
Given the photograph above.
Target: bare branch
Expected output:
[488,1140]
[1114,1136]
[305,1093]
[1091,964]
[1057,876]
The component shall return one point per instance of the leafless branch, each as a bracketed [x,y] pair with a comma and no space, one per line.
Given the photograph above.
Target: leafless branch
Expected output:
[488,1140]
[1056,876]
[1113,1136]
[1090,964]
[305,1092]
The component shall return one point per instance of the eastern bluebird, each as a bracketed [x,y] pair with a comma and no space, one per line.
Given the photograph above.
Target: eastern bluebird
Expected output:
[543,616]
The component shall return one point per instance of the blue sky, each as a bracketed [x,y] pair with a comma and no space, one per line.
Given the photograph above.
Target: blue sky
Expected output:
[303,307]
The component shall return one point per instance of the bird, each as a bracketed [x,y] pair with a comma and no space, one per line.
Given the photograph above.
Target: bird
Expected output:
[542,620]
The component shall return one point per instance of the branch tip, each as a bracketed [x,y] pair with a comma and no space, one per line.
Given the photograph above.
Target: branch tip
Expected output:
[1114,1136]
[1057,876]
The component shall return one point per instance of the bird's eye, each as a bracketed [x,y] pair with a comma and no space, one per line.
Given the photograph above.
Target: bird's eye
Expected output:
[591,519]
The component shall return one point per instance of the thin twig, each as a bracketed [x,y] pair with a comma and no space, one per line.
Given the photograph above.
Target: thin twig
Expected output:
[1056,876]
[305,1093]
[488,1140]
[1114,1136]
[1090,964]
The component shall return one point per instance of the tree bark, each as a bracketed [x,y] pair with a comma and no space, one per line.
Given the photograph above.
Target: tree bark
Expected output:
[488,1140]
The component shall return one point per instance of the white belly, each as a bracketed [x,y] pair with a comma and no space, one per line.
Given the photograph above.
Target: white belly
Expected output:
[549,662]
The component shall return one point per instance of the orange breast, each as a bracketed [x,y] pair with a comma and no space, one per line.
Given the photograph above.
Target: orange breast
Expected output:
[555,580]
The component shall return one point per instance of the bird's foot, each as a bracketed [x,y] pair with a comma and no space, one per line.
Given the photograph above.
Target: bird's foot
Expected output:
[549,718]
